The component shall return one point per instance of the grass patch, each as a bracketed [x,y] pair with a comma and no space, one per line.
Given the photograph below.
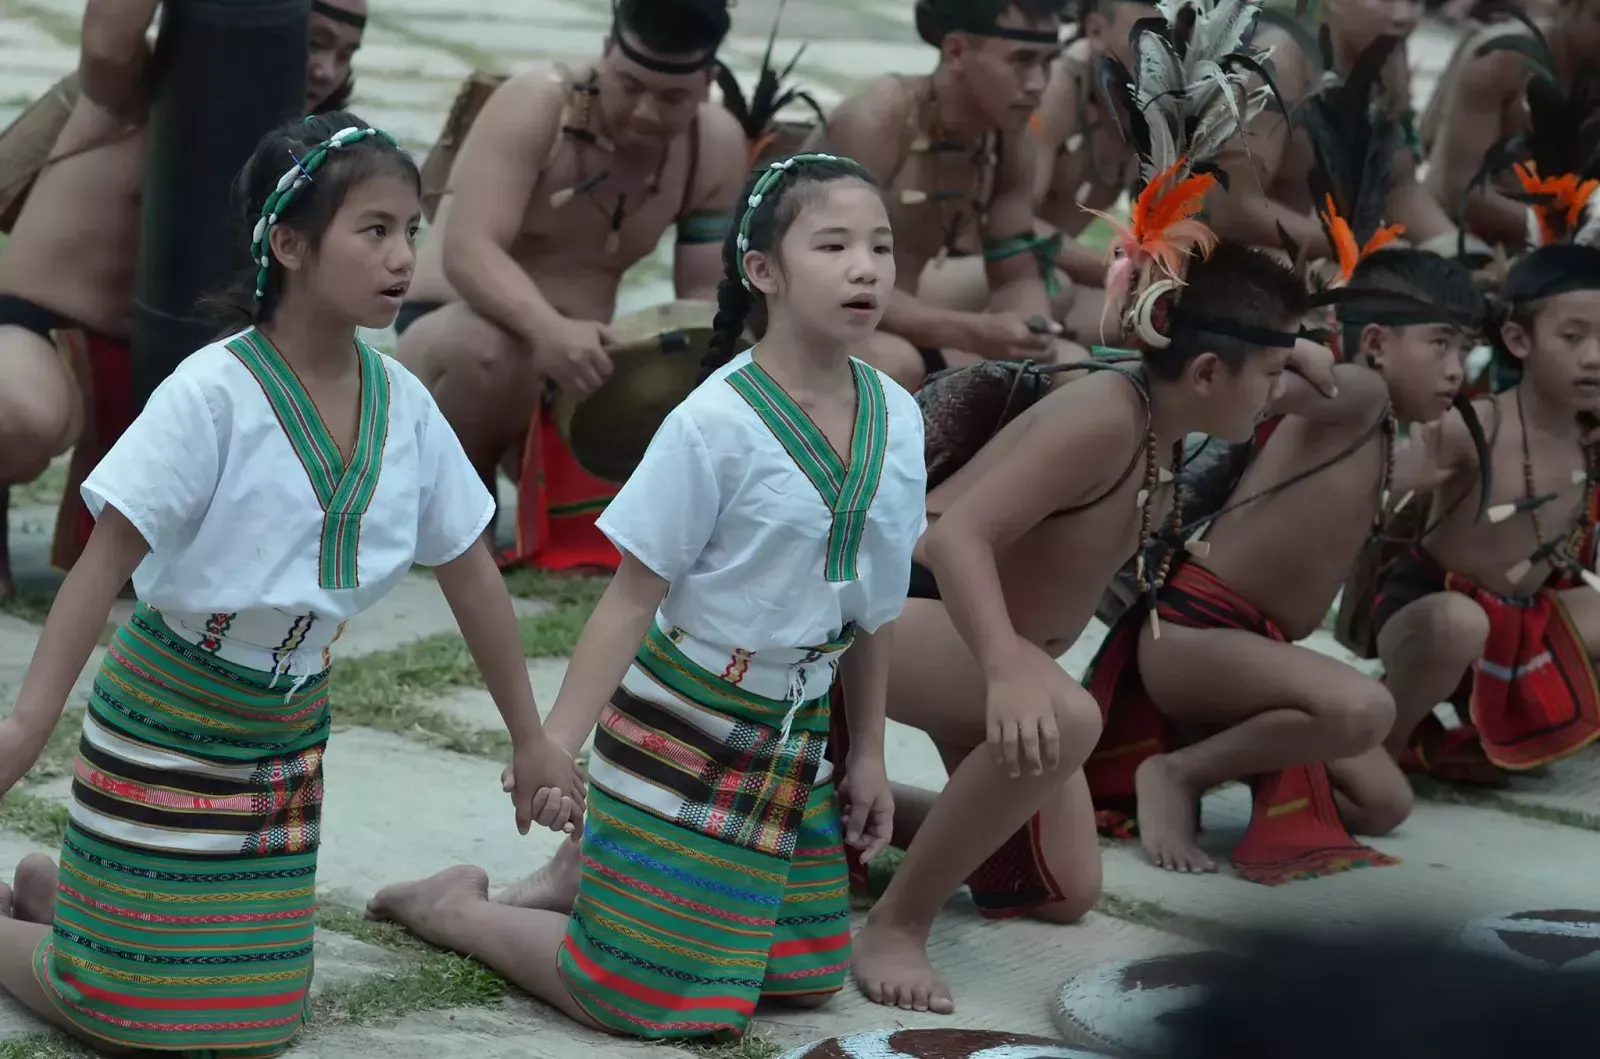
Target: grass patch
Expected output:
[29,604]
[41,819]
[750,1046]
[440,980]
[49,1045]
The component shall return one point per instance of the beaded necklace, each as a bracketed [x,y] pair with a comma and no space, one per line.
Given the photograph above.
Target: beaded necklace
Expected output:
[581,132]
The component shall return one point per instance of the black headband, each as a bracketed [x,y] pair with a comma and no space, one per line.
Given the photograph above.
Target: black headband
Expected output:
[338,14]
[1255,336]
[661,66]
[1359,306]
[934,26]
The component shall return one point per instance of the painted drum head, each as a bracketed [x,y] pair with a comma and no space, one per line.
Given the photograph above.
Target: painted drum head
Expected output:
[1565,939]
[1125,1007]
[938,1044]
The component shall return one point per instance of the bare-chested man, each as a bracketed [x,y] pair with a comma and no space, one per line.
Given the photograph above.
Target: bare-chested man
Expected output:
[1227,671]
[562,184]
[1086,163]
[1508,598]
[1482,102]
[951,147]
[1267,186]
[70,262]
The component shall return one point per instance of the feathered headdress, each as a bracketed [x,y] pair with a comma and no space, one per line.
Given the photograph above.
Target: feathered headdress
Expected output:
[758,115]
[1186,98]
[1354,139]
[1557,161]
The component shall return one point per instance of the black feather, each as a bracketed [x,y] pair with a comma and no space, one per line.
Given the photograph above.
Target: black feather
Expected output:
[1354,139]
[758,112]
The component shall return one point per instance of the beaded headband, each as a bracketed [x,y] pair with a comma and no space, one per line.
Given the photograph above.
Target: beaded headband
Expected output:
[764,184]
[297,177]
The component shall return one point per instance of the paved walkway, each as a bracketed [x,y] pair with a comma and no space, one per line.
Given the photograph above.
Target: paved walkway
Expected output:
[413,772]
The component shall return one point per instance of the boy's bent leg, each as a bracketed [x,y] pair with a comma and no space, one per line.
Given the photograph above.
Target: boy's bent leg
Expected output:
[1371,792]
[1283,705]
[452,910]
[1426,648]
[937,686]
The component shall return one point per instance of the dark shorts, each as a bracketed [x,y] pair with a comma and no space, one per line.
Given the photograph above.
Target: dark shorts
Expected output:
[411,312]
[1414,575]
[923,583]
[19,312]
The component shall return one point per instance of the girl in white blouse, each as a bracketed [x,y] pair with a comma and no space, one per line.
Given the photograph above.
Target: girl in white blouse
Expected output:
[277,484]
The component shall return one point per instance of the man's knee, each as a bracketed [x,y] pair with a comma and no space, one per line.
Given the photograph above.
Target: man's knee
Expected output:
[1078,721]
[1446,626]
[895,357]
[32,433]
[1359,716]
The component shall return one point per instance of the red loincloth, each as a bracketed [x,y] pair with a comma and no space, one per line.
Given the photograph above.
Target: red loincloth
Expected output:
[103,368]
[1295,831]
[1534,696]
[1014,881]
[557,504]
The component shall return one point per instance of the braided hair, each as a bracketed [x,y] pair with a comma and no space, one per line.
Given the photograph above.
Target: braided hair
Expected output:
[774,197]
[298,177]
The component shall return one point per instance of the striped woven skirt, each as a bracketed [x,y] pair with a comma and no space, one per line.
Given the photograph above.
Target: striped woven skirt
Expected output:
[187,895]
[713,862]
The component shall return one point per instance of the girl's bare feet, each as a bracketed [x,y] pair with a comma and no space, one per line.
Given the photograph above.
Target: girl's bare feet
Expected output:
[553,887]
[891,967]
[34,889]
[1167,813]
[420,906]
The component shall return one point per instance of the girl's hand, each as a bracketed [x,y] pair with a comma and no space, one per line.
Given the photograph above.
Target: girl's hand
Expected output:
[535,765]
[868,805]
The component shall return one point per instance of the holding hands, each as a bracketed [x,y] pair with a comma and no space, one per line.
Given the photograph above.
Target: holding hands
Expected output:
[545,785]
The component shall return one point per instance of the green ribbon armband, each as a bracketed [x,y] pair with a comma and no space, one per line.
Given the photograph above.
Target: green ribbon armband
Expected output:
[704,226]
[1044,248]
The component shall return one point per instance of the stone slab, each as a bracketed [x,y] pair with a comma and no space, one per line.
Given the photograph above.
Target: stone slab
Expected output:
[414,610]
[1458,862]
[1573,784]
[1004,975]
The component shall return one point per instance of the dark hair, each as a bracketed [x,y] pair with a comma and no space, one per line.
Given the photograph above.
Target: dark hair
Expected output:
[1235,284]
[1382,993]
[312,208]
[1440,283]
[780,204]
[937,18]
[676,27]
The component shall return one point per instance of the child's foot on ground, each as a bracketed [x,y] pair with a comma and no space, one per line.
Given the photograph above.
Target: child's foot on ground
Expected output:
[891,967]
[419,906]
[1167,818]
[34,889]
[553,887]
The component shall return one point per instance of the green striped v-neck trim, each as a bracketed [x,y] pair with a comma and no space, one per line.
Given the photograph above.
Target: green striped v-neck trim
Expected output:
[344,492]
[846,489]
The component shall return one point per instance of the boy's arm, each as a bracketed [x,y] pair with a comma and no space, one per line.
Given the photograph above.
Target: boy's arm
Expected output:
[1480,89]
[1434,455]
[1066,458]
[1317,389]
[77,618]
[697,258]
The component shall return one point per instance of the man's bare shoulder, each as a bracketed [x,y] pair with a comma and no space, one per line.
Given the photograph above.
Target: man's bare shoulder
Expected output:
[724,152]
[1102,405]
[1500,72]
[881,101]
[720,131]
[526,100]
[1294,71]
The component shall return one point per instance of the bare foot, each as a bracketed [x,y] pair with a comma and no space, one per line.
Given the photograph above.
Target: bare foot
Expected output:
[553,887]
[891,967]
[419,906]
[35,889]
[1167,818]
